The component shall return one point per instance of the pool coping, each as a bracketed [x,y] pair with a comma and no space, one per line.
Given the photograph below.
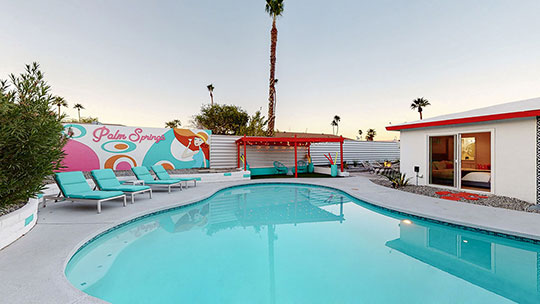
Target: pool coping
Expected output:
[358,187]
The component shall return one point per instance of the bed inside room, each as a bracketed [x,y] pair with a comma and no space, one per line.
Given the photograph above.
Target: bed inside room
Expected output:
[476,161]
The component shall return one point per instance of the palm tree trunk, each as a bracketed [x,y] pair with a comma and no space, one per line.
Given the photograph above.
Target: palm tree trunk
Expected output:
[79,110]
[420,114]
[272,89]
[211,99]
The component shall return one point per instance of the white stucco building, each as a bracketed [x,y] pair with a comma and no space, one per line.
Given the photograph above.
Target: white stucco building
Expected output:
[494,149]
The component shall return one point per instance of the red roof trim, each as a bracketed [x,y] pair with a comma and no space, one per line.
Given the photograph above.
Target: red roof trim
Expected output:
[466,120]
[278,141]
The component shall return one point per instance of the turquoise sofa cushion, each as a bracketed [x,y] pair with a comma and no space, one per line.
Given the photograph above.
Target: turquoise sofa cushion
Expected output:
[126,188]
[96,195]
[72,182]
[143,174]
[162,174]
[105,178]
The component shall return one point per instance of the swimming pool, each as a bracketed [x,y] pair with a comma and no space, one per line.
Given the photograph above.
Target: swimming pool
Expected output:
[294,243]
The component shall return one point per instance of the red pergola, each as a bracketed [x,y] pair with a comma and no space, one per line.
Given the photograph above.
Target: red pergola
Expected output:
[285,141]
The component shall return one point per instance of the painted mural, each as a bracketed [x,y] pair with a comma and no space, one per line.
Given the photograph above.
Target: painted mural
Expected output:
[120,148]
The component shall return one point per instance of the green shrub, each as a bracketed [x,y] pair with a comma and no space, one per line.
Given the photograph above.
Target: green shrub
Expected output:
[397,178]
[31,138]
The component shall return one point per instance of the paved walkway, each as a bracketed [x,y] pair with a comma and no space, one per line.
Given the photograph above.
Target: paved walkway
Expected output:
[32,268]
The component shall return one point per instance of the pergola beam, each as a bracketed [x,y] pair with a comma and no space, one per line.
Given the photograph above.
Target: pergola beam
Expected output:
[285,141]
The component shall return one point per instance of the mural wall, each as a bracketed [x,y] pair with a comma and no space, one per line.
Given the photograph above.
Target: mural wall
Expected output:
[120,148]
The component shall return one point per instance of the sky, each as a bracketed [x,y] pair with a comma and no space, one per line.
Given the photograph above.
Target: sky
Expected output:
[142,63]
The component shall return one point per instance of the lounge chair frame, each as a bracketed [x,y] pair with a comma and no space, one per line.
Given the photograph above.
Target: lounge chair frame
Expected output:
[167,185]
[72,199]
[126,192]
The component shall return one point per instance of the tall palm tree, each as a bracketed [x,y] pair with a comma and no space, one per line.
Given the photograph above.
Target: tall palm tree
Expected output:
[79,107]
[210,88]
[370,134]
[59,102]
[274,8]
[337,119]
[173,124]
[275,97]
[419,104]
[333,124]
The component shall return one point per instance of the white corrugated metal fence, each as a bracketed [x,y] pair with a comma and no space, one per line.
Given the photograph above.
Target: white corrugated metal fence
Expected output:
[223,152]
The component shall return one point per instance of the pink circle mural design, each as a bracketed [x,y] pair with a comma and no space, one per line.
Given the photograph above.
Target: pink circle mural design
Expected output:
[79,157]
[123,165]
[120,162]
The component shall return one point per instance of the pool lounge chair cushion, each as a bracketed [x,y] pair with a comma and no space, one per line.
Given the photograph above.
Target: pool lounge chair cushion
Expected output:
[162,174]
[74,185]
[280,167]
[143,174]
[302,166]
[106,180]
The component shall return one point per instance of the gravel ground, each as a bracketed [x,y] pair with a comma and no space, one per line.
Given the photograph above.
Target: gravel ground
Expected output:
[492,200]
[11,208]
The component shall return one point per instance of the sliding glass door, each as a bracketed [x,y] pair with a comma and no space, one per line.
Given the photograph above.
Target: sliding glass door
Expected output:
[462,161]
[475,161]
[442,151]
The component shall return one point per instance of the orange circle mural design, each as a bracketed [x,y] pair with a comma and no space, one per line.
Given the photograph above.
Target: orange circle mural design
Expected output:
[167,166]
[120,146]
[109,163]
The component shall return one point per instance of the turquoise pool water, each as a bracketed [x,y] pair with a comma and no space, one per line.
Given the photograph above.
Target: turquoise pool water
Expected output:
[285,243]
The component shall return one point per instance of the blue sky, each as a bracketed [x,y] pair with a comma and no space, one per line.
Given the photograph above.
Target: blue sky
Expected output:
[146,62]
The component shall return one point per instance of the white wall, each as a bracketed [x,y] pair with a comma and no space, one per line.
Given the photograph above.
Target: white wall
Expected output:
[223,152]
[513,160]
[356,151]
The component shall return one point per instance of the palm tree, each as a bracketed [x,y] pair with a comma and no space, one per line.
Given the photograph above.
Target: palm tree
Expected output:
[333,124]
[274,8]
[337,119]
[370,134]
[419,104]
[360,134]
[210,88]
[59,102]
[173,124]
[275,97]
[79,107]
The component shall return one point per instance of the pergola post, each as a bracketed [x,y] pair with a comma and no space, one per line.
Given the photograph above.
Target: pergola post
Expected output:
[245,153]
[341,151]
[237,155]
[295,158]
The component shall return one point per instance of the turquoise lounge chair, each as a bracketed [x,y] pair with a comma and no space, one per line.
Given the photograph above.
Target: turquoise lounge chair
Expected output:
[302,166]
[106,180]
[162,174]
[143,174]
[280,168]
[73,187]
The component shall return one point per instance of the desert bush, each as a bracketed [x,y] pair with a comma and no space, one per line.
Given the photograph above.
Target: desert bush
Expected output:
[397,178]
[31,138]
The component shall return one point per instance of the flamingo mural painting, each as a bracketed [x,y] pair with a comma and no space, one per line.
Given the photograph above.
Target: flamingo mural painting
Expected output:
[121,148]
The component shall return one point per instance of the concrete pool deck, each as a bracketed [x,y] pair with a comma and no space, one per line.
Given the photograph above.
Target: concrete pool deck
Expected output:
[32,268]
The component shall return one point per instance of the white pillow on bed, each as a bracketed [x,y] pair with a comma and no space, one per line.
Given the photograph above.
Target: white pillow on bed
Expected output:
[483,177]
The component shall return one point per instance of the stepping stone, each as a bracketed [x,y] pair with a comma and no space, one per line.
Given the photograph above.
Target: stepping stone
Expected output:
[443,192]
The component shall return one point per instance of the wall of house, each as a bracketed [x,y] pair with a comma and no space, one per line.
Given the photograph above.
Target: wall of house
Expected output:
[513,161]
